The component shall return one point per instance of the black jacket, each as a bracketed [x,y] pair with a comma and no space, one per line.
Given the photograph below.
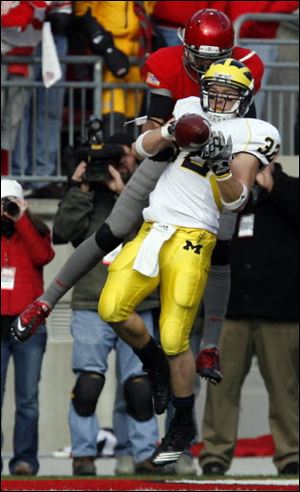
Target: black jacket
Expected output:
[80,214]
[264,277]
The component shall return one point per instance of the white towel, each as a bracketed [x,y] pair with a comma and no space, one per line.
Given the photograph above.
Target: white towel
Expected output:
[146,261]
[51,69]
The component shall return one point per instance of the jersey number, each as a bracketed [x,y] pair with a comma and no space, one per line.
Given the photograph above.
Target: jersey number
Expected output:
[270,149]
[198,167]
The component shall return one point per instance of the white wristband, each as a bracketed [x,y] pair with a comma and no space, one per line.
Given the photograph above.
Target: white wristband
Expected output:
[139,146]
[239,202]
[165,133]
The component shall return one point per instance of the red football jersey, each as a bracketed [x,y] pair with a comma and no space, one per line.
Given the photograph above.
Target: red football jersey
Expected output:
[166,71]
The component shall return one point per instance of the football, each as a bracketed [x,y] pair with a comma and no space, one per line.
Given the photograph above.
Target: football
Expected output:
[191,130]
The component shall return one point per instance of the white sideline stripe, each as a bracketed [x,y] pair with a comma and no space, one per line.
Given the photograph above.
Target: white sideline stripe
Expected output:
[239,482]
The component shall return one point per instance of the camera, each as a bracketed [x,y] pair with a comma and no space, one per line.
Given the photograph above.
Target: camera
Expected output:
[10,207]
[97,154]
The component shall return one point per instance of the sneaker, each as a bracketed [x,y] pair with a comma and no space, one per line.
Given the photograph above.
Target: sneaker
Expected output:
[25,325]
[145,467]
[22,468]
[177,440]
[185,465]
[125,465]
[159,378]
[208,365]
[84,466]
[290,469]
[213,468]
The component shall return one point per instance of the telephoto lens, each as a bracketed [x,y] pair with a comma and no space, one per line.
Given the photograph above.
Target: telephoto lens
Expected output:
[10,207]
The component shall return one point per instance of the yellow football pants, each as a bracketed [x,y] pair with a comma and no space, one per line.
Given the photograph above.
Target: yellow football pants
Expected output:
[184,262]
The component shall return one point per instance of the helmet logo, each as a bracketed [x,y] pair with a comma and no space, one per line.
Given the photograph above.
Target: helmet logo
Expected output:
[225,76]
[208,49]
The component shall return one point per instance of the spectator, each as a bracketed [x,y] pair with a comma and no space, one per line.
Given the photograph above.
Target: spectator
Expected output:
[25,249]
[262,320]
[116,31]
[264,30]
[43,117]
[22,27]
[82,210]
[169,16]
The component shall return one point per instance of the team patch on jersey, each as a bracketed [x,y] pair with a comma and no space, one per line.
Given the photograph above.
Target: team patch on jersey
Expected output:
[152,80]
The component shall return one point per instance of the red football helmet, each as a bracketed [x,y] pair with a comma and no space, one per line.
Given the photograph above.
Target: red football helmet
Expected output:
[208,36]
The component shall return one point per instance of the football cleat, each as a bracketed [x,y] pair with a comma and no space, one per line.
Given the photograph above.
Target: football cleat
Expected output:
[177,440]
[26,324]
[208,365]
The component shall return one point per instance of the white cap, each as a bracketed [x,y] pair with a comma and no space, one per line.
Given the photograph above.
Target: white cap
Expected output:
[10,187]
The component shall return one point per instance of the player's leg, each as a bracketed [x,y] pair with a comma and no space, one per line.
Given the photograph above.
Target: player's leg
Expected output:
[125,288]
[184,266]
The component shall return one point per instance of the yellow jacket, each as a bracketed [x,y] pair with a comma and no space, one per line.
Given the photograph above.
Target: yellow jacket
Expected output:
[117,17]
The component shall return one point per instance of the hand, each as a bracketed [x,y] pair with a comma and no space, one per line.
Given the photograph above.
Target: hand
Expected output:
[116,183]
[265,178]
[218,154]
[79,172]
[78,176]
[168,130]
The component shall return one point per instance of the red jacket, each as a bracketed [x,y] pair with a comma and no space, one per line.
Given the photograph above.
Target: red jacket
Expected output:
[27,251]
[177,13]
[254,29]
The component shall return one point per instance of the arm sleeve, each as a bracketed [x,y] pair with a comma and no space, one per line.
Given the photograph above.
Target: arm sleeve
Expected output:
[160,106]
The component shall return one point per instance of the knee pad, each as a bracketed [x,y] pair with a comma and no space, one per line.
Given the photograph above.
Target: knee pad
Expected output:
[86,392]
[138,397]
[106,239]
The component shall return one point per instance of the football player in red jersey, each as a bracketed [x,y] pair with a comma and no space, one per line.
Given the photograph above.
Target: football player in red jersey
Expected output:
[217,43]
[173,73]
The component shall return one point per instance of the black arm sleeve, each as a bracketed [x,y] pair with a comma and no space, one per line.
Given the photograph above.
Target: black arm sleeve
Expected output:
[160,107]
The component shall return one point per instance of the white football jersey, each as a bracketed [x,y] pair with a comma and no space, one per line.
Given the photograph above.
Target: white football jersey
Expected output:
[187,194]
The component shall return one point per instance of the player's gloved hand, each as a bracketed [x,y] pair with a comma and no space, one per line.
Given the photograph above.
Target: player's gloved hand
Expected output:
[218,154]
[25,325]
[101,42]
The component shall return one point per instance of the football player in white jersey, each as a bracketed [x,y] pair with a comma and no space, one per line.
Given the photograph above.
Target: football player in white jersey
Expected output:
[174,245]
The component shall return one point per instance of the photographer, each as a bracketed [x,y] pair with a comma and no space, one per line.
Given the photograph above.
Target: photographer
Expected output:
[25,249]
[94,187]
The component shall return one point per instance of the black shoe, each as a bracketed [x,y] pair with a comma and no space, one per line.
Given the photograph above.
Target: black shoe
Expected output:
[213,468]
[84,466]
[159,378]
[177,440]
[290,469]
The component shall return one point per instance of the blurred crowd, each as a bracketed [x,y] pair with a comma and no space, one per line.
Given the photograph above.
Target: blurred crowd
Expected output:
[250,304]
